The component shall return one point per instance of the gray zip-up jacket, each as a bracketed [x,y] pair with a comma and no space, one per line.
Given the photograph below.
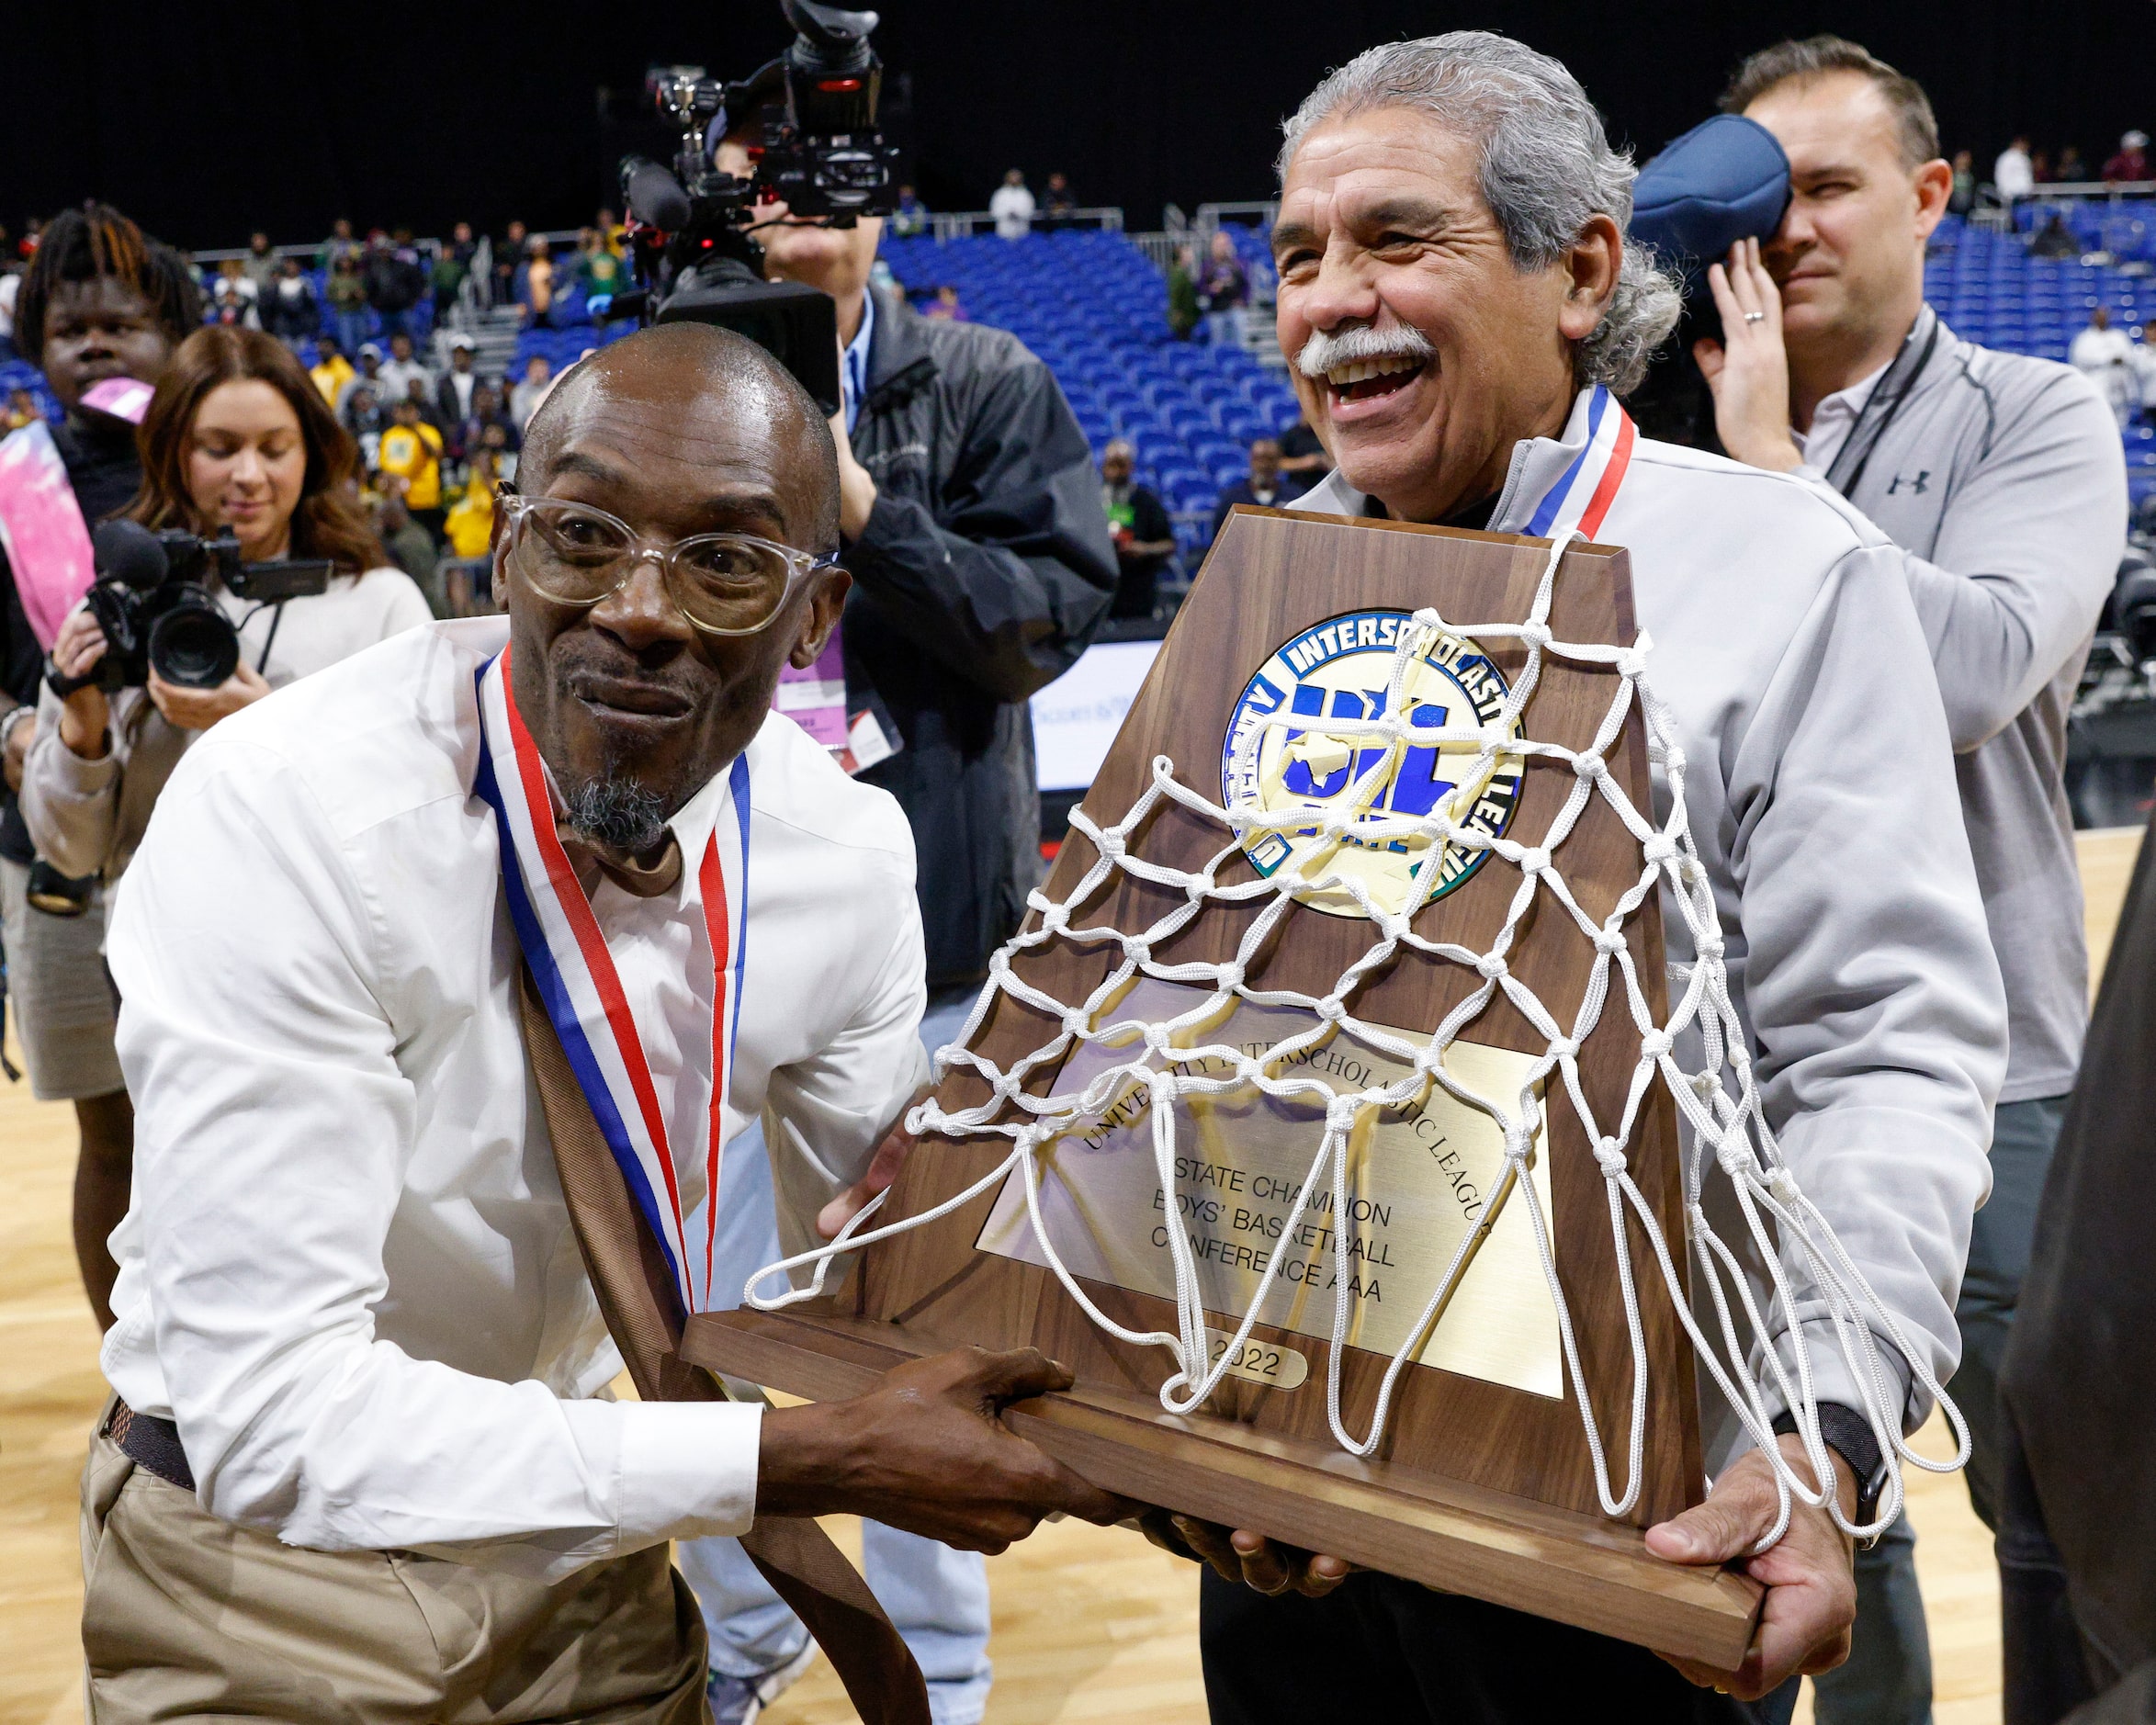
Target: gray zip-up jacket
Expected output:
[1824,807]
[2002,482]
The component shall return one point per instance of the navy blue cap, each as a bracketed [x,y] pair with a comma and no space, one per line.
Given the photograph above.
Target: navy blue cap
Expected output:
[1725,180]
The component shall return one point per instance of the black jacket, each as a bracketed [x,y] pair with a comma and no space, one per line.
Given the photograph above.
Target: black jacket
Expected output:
[983,571]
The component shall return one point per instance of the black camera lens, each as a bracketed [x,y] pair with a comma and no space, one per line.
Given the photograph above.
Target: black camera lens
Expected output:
[194,644]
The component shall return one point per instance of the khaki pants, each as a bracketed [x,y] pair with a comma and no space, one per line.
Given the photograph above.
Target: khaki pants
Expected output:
[188,1616]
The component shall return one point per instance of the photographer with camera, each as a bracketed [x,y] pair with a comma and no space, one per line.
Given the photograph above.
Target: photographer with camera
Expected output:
[237,438]
[101,303]
[1999,480]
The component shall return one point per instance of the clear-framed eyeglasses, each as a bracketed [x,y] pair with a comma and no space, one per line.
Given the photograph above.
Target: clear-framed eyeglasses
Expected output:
[724,583]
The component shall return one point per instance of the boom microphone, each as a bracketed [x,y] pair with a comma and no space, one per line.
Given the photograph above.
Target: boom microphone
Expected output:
[128,552]
[654,197]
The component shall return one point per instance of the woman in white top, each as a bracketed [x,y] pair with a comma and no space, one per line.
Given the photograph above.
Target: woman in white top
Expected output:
[236,437]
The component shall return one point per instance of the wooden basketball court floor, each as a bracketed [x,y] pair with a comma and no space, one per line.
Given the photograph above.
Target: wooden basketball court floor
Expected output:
[1089,1623]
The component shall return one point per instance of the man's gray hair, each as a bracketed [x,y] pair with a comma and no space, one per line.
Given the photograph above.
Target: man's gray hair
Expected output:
[1547,168]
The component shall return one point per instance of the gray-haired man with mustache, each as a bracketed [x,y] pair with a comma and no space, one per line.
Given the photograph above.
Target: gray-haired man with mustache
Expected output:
[1463,311]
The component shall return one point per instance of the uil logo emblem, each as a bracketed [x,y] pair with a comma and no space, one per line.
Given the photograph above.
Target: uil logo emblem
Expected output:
[1341,670]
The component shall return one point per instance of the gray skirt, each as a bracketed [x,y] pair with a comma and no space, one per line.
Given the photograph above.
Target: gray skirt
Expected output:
[61,994]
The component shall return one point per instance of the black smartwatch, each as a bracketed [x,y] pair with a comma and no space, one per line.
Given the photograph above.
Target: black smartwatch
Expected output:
[1850,1435]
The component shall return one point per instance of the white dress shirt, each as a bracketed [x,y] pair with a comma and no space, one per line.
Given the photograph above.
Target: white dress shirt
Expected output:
[1822,796]
[348,1273]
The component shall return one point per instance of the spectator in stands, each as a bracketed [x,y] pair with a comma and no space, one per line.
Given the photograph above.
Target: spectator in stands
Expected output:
[233,296]
[452,397]
[2104,356]
[1303,461]
[339,244]
[2131,163]
[10,284]
[2014,175]
[394,282]
[2054,239]
[290,310]
[402,370]
[366,418]
[598,267]
[331,370]
[509,257]
[370,375]
[945,308]
[1012,207]
[2072,169]
[1182,294]
[1059,203]
[261,262]
[100,299]
[22,408]
[410,548]
[346,292]
[535,284]
[2039,164]
[524,401]
[1999,480]
[410,461]
[452,265]
[970,517]
[912,216]
[1224,293]
[471,433]
[470,523]
[1262,485]
[1962,198]
[1139,525]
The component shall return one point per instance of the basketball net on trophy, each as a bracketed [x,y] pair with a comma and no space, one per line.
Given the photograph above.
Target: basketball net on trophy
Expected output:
[1323,854]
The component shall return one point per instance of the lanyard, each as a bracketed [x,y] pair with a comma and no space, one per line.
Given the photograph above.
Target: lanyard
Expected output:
[582,990]
[1888,395]
[1583,491]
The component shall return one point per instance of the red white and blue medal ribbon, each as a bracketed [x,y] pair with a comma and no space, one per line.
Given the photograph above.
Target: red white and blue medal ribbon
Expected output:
[1585,491]
[582,992]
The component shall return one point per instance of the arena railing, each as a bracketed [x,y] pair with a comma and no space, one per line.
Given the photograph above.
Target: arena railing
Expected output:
[952,224]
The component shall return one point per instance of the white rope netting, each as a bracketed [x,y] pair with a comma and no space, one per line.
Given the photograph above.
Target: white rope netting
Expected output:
[1752,1363]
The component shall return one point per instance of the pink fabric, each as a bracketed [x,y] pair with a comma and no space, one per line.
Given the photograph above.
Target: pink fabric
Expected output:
[42,530]
[123,398]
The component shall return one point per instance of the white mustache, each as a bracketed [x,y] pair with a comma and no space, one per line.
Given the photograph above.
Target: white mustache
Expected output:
[1326,350]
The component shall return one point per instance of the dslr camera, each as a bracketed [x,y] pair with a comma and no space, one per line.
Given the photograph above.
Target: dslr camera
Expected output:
[821,154]
[152,599]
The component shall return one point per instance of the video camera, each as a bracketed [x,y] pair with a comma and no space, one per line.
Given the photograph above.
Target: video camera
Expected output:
[152,599]
[821,154]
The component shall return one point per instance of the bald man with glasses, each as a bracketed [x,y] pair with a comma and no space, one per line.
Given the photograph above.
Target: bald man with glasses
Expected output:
[361,1464]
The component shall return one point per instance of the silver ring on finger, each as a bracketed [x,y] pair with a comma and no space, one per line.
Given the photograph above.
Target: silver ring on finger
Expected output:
[1755,317]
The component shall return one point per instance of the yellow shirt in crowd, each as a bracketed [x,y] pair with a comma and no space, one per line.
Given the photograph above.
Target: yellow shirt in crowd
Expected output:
[414,453]
[470,524]
[331,376]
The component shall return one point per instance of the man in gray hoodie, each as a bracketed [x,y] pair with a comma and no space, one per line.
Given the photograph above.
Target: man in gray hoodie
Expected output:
[2001,480]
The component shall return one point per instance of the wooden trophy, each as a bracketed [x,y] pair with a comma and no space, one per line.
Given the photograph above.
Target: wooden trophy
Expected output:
[1482,1481]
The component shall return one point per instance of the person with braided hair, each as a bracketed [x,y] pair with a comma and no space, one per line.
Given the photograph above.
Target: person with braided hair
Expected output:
[100,301]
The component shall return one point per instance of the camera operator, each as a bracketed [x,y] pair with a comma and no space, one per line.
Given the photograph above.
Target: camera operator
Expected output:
[99,301]
[237,437]
[2000,478]
[981,566]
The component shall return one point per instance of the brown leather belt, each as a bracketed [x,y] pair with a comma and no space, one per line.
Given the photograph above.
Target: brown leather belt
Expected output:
[151,1443]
